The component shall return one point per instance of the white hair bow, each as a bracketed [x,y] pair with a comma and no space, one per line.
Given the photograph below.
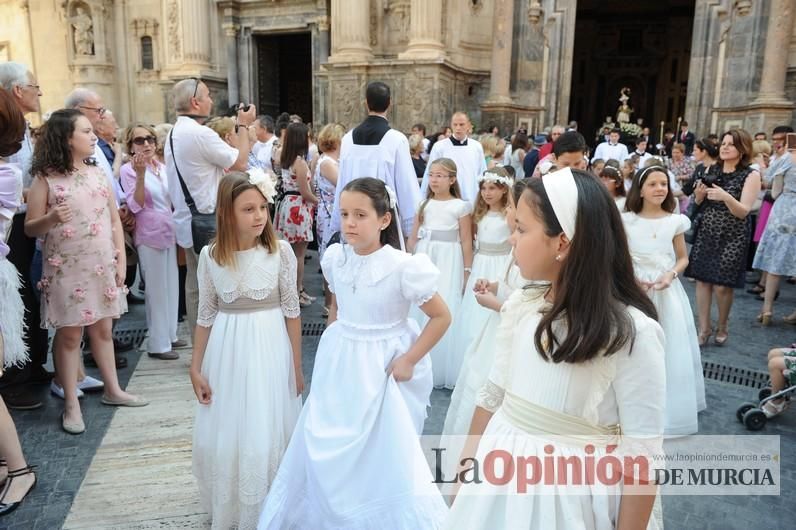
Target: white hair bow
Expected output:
[264,183]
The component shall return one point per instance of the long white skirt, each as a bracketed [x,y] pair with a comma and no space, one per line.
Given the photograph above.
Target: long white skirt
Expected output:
[13,352]
[685,384]
[355,461]
[470,318]
[239,439]
[447,256]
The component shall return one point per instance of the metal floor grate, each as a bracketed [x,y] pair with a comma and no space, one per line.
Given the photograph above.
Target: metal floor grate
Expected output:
[735,376]
[312,329]
[134,335]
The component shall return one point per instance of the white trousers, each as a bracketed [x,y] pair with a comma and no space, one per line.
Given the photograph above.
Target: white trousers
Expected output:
[159,268]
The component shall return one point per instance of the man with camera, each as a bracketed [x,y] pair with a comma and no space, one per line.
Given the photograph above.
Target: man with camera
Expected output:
[196,159]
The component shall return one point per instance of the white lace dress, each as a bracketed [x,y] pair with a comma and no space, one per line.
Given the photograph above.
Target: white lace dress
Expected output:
[625,389]
[240,437]
[355,460]
[492,256]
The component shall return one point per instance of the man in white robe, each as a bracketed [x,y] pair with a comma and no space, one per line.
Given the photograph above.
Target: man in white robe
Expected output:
[466,152]
[374,149]
[611,149]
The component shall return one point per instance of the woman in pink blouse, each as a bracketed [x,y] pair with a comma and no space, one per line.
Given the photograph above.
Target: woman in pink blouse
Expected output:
[145,184]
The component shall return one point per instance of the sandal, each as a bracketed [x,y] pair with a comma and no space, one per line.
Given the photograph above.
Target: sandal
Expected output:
[771,409]
[704,336]
[307,296]
[757,289]
[722,335]
[304,301]
[8,507]
[790,319]
[765,318]
[4,464]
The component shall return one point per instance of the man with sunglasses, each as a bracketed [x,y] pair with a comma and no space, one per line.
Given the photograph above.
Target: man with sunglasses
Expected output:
[200,157]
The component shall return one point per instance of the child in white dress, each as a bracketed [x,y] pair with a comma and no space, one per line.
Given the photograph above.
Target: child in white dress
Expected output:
[443,231]
[246,367]
[492,255]
[576,363]
[657,245]
[355,460]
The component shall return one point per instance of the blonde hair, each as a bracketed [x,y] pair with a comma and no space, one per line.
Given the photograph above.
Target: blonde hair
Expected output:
[223,246]
[449,166]
[415,143]
[162,131]
[481,207]
[222,126]
[330,137]
[491,145]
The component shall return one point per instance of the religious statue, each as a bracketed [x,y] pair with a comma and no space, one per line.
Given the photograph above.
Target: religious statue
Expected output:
[624,111]
[83,36]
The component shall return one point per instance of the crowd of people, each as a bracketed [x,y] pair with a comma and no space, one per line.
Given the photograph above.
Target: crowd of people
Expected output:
[445,259]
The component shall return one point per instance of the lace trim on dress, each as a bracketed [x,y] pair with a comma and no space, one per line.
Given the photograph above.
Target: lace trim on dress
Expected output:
[208,298]
[255,280]
[288,289]
[365,270]
[490,396]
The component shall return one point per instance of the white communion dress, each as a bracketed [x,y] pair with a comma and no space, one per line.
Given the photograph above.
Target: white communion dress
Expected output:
[653,254]
[492,255]
[355,460]
[537,402]
[438,238]
[240,437]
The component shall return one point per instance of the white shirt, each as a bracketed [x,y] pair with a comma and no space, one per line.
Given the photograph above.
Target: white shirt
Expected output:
[470,163]
[607,151]
[263,151]
[202,156]
[23,159]
[642,157]
[113,182]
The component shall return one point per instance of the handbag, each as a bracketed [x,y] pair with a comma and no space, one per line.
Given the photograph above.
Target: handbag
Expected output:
[693,212]
[203,225]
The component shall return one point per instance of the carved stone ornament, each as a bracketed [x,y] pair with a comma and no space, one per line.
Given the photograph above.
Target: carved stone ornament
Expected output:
[173,21]
[82,30]
[744,7]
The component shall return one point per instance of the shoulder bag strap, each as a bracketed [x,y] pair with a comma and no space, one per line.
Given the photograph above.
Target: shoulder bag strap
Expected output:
[187,194]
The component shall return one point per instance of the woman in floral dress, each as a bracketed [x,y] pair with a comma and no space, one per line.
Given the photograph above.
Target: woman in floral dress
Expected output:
[294,212]
[71,204]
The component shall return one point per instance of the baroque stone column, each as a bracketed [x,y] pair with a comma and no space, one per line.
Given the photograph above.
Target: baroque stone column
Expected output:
[425,27]
[196,33]
[350,31]
[775,60]
[231,40]
[502,35]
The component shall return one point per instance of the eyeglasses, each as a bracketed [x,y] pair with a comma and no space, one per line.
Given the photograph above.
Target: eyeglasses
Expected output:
[99,110]
[141,140]
[37,87]
[196,88]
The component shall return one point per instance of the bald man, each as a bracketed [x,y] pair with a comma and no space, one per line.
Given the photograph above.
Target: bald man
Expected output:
[466,152]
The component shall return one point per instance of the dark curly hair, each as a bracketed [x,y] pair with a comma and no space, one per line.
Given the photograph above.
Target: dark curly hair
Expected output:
[52,153]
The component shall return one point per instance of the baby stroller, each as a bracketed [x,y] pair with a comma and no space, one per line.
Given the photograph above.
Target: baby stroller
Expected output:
[751,414]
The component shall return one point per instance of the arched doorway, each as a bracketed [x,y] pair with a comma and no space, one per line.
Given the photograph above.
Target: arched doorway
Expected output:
[643,45]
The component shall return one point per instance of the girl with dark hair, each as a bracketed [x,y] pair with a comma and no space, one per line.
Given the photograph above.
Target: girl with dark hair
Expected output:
[443,231]
[657,243]
[72,205]
[16,476]
[611,177]
[718,257]
[579,359]
[246,363]
[370,385]
[293,218]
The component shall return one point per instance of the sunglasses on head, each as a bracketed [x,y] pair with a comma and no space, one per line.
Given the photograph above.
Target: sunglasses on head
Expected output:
[141,140]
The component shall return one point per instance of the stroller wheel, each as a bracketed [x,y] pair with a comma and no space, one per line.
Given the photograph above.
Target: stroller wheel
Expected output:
[764,393]
[742,410]
[754,419]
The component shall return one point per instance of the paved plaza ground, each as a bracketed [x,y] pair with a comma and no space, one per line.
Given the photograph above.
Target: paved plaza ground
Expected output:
[131,469]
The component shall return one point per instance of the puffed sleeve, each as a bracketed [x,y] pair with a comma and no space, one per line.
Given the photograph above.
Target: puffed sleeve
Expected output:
[490,396]
[683,224]
[208,298]
[288,289]
[419,279]
[331,255]
[465,208]
[640,389]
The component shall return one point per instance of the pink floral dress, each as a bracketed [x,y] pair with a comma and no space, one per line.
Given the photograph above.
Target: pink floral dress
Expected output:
[293,219]
[78,283]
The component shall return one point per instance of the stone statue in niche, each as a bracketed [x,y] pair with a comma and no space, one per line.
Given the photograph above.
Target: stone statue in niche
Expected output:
[82,31]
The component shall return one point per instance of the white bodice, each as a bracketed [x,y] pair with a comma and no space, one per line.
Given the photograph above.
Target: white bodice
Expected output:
[650,242]
[257,275]
[444,215]
[493,229]
[376,291]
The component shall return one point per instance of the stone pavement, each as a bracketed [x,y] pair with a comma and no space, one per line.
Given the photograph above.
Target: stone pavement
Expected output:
[131,469]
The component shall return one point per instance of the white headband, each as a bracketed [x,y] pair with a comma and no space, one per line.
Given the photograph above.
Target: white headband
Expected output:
[488,176]
[563,194]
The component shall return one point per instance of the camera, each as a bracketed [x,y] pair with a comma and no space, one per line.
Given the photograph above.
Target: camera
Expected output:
[233,110]
[709,180]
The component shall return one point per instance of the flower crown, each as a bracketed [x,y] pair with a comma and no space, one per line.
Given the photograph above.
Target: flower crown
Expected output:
[488,176]
[259,178]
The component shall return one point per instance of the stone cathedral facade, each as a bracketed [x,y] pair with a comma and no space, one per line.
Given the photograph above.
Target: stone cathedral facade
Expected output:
[532,63]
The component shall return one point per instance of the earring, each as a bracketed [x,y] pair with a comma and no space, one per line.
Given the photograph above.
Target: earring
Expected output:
[558,257]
